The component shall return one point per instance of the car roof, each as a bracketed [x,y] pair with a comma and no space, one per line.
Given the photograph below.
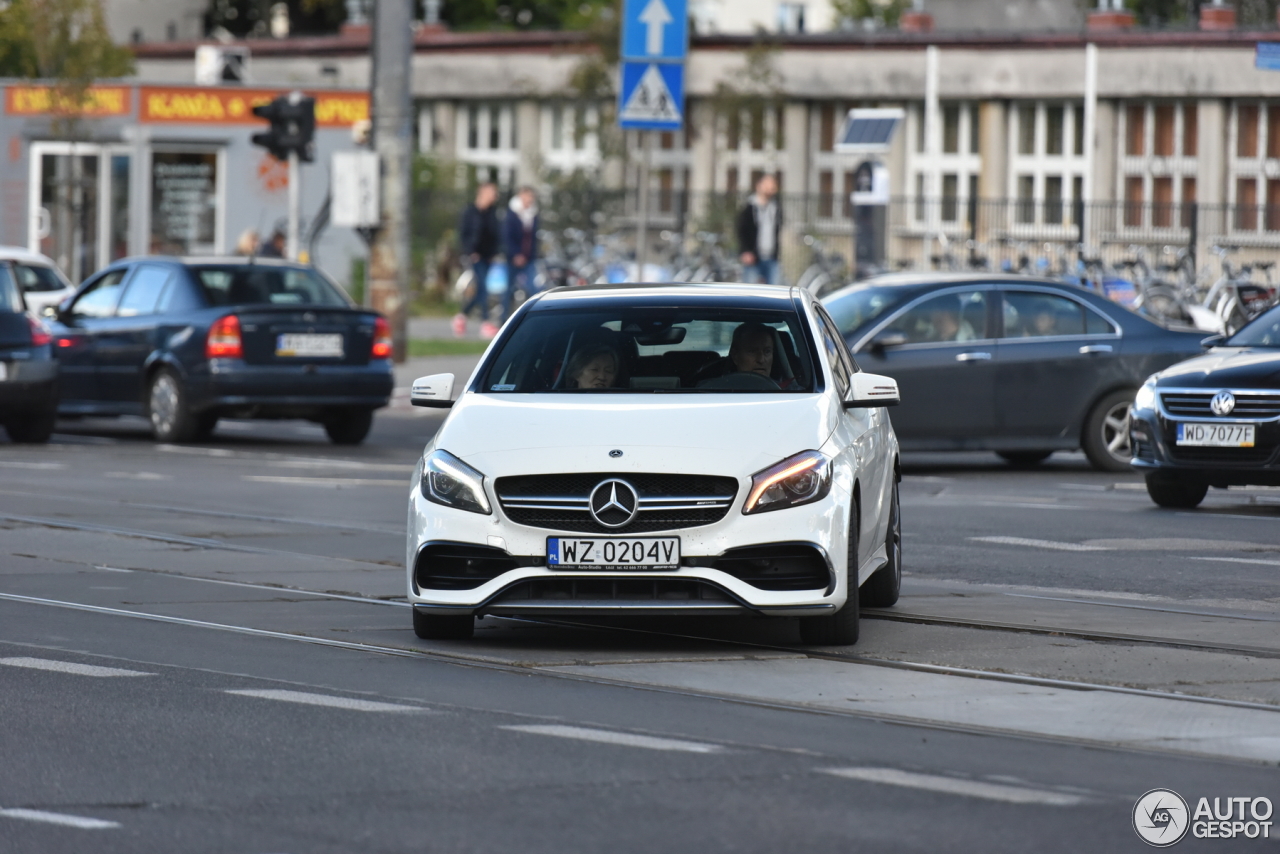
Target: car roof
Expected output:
[219,260]
[670,289]
[17,253]
[942,278]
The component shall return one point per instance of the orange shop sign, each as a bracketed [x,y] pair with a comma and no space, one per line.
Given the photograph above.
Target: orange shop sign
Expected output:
[41,100]
[189,105]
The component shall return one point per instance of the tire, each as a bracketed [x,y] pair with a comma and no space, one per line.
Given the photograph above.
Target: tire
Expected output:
[443,626]
[1024,459]
[348,426]
[1176,494]
[205,425]
[840,628]
[32,429]
[882,588]
[167,409]
[1105,439]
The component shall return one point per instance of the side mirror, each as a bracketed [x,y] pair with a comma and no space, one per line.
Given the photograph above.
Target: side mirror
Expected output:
[885,340]
[1213,341]
[435,391]
[872,390]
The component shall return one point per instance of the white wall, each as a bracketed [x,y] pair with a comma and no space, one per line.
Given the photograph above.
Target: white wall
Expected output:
[746,16]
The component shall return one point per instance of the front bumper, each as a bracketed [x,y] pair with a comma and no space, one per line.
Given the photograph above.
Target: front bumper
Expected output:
[231,386]
[1153,437]
[696,588]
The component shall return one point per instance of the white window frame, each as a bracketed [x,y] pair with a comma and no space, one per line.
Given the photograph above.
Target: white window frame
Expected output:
[1040,166]
[1261,169]
[1149,166]
[964,164]
[505,159]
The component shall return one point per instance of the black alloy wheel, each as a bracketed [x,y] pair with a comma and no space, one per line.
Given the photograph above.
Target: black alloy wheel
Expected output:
[1024,459]
[883,588]
[443,626]
[348,426]
[840,628]
[1105,439]
[1176,494]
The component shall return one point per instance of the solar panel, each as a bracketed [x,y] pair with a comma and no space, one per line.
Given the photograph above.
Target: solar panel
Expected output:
[868,131]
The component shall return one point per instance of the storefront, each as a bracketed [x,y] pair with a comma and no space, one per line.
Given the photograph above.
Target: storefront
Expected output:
[158,170]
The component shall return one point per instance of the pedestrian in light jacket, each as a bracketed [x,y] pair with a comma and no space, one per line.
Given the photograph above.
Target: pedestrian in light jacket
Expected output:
[520,233]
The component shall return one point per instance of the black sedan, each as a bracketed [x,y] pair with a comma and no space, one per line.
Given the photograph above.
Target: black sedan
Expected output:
[1213,420]
[185,342]
[1016,365]
[28,373]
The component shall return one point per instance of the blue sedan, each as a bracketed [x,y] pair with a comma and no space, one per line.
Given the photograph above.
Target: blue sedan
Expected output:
[185,342]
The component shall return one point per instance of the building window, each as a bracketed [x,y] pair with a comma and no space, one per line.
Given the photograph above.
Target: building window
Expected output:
[827,127]
[1247,130]
[1136,130]
[1047,158]
[1055,127]
[1159,165]
[951,129]
[951,170]
[791,17]
[1027,129]
[826,193]
[1246,218]
[185,203]
[1165,116]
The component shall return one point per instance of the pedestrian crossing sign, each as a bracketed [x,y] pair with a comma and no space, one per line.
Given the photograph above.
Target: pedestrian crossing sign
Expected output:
[651,96]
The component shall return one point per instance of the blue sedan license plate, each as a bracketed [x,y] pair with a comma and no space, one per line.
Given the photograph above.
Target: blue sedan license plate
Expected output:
[613,553]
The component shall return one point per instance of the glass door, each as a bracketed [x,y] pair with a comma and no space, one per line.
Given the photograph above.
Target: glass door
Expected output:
[79,205]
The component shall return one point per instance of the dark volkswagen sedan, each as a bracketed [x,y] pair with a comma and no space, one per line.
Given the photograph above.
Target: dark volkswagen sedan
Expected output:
[1020,366]
[28,373]
[1213,420]
[185,342]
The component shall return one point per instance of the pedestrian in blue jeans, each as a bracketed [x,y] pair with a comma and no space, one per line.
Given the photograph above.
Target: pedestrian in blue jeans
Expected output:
[479,236]
[520,233]
[759,227]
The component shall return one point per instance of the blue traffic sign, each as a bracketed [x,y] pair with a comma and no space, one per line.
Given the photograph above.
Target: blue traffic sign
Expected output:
[1267,57]
[651,96]
[655,30]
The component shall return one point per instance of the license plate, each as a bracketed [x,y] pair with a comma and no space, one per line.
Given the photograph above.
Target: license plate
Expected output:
[306,344]
[613,553]
[1216,435]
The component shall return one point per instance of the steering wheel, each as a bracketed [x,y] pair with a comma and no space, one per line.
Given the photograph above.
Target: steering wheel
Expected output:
[741,381]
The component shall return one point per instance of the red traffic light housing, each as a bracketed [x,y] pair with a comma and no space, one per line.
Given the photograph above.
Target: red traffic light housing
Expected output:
[293,126]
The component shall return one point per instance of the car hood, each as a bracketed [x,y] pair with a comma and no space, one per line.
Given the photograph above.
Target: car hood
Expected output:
[711,434]
[1227,367]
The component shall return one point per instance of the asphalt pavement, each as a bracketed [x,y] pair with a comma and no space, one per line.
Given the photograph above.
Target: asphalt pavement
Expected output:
[206,648]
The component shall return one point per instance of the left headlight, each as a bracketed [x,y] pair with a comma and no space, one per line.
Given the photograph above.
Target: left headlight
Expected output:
[1146,396]
[449,481]
[801,479]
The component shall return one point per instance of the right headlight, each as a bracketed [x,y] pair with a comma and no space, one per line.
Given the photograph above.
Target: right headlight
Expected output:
[449,481]
[1146,397]
[801,479]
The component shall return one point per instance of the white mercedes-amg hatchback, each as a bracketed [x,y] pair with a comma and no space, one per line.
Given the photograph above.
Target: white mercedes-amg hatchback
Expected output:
[659,449]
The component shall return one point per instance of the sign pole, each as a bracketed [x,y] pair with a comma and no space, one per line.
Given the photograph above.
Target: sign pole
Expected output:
[642,226]
[295,197]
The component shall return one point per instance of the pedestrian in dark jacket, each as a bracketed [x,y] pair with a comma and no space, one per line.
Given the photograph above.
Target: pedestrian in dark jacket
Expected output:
[478,235]
[520,233]
[759,228]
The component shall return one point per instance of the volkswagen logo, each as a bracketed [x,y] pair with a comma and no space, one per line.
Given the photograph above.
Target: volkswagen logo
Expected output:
[614,503]
[1223,403]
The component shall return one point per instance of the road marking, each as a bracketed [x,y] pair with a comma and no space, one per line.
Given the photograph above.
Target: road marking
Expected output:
[1039,544]
[956,786]
[59,818]
[14,464]
[328,700]
[111,569]
[138,475]
[1241,560]
[324,481]
[70,667]
[626,739]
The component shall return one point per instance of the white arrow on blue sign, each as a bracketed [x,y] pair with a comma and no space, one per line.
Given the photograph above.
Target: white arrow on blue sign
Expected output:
[651,96]
[655,30]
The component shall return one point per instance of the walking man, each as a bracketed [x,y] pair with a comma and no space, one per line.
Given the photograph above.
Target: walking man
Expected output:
[759,226]
[520,230]
[478,235]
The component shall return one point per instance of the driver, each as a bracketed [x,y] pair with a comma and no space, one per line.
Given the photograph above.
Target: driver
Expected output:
[751,350]
[593,366]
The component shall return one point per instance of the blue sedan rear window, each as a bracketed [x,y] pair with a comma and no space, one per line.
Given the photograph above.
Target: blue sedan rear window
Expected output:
[250,284]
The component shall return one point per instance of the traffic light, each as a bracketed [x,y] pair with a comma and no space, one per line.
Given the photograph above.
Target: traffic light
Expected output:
[293,126]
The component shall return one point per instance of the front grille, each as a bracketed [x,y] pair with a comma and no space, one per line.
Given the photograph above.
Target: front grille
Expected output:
[777,567]
[620,590]
[458,566]
[1190,404]
[1225,457]
[667,501]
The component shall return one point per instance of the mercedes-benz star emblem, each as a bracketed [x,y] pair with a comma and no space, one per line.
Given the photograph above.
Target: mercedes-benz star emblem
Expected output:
[614,503]
[615,453]
[1223,403]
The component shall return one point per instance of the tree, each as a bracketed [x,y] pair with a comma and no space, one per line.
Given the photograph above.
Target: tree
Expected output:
[252,18]
[527,14]
[868,13]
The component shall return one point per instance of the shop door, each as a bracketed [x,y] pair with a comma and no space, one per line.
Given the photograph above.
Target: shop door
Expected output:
[79,206]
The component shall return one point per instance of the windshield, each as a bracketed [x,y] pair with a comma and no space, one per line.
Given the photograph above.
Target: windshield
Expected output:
[1264,331]
[856,308]
[654,350]
[248,284]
